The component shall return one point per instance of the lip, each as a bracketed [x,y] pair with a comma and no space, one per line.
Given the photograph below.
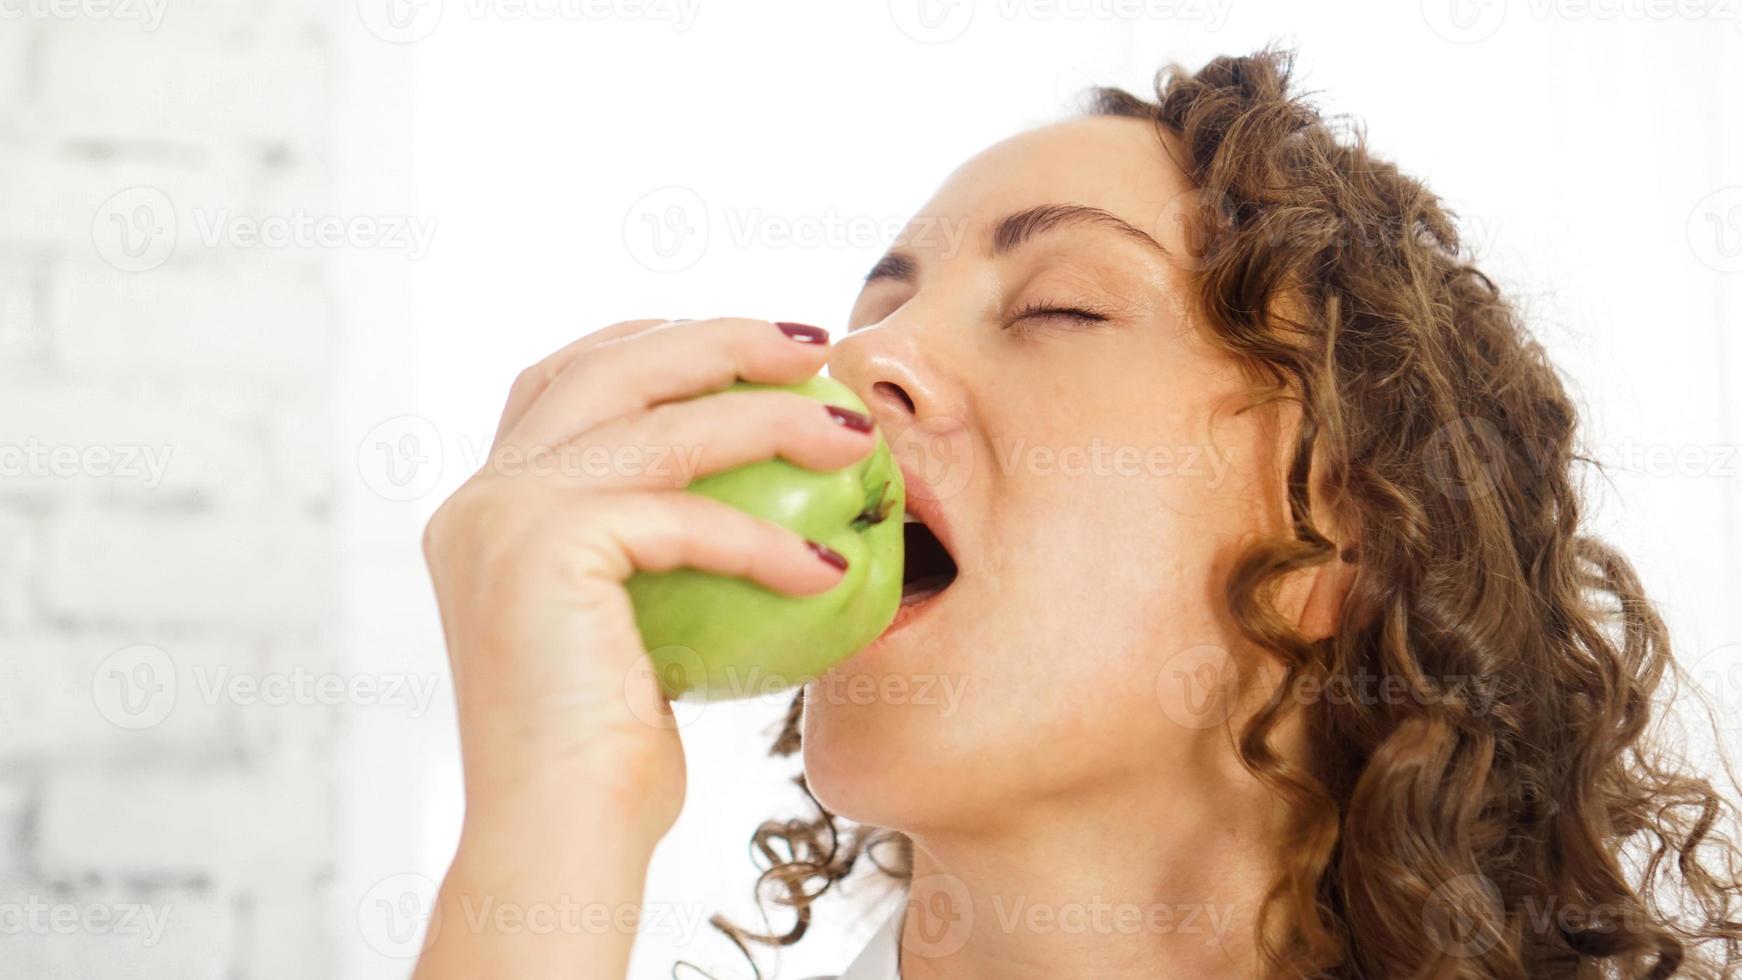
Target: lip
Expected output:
[931,515]
[925,509]
[908,613]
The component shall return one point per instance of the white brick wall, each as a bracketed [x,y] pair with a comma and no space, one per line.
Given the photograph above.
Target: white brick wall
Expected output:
[257,831]
[274,830]
[193,569]
[219,818]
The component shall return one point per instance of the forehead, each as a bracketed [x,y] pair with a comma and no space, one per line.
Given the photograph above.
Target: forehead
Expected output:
[1117,164]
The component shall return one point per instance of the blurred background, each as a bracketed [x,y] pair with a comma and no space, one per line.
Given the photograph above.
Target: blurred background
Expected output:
[267,268]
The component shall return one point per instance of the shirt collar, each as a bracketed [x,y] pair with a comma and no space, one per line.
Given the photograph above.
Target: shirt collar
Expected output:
[881,957]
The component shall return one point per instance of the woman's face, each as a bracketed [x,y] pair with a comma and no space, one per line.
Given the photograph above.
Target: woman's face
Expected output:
[1090,475]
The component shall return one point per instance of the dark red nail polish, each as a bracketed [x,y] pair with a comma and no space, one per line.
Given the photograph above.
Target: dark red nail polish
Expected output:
[829,555]
[804,333]
[857,421]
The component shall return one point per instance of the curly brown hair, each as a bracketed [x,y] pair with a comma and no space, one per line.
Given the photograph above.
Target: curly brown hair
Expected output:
[1530,772]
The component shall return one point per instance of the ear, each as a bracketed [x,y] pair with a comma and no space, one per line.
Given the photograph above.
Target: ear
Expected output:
[1326,590]
[1312,598]
[1319,592]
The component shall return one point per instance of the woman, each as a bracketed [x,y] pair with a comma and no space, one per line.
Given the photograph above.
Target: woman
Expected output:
[1302,666]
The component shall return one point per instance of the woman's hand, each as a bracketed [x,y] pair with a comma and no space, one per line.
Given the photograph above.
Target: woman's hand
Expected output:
[573,771]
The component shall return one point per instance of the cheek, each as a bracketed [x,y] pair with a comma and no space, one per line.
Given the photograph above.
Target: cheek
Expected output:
[1091,645]
[1033,704]
[1109,567]
[1048,676]
[1132,583]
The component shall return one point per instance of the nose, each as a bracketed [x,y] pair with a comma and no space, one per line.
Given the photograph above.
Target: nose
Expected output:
[909,378]
[889,369]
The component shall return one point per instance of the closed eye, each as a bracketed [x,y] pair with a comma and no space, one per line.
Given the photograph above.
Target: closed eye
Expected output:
[1039,311]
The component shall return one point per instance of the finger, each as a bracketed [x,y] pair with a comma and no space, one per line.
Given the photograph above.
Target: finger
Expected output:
[658,532]
[532,381]
[669,362]
[670,445]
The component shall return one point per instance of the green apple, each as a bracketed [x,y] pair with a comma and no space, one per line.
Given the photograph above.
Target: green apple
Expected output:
[712,638]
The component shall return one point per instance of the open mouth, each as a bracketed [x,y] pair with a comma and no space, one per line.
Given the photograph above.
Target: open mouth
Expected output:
[929,568]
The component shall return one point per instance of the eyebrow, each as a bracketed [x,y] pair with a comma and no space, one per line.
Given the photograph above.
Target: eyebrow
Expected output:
[1020,227]
[1013,230]
[895,265]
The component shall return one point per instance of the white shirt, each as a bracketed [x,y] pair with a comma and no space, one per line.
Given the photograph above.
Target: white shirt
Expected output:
[880,959]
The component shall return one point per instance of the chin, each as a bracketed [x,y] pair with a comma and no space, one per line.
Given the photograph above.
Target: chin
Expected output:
[860,759]
[884,730]
[890,762]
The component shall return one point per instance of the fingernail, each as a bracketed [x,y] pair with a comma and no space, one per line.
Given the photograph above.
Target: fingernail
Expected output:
[804,333]
[857,421]
[829,555]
